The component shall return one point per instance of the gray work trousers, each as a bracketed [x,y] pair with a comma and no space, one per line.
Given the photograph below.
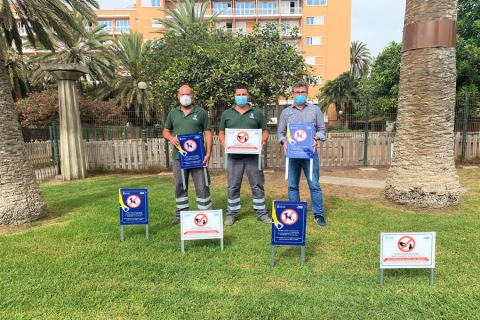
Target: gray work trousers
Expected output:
[181,196]
[235,169]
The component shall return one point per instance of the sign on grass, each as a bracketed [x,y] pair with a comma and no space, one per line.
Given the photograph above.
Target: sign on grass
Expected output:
[407,250]
[289,223]
[133,206]
[202,224]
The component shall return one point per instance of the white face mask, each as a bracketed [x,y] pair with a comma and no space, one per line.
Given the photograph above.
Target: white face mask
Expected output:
[185,101]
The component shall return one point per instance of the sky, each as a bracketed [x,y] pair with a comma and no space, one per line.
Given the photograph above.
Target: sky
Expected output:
[374,22]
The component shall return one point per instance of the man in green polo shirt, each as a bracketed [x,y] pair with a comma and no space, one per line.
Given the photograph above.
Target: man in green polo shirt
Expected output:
[243,116]
[188,119]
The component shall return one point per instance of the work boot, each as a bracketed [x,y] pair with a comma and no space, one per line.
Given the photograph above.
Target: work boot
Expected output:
[265,219]
[230,221]
[175,222]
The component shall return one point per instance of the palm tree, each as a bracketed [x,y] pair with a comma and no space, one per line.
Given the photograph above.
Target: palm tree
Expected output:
[22,199]
[360,59]
[88,49]
[185,15]
[19,71]
[423,170]
[338,92]
[128,51]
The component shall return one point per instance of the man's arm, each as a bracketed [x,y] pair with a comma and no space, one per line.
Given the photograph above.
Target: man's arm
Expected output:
[209,141]
[282,131]
[167,134]
[322,131]
[221,137]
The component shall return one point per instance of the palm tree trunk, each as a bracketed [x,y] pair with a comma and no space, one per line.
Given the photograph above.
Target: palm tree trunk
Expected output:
[22,199]
[423,170]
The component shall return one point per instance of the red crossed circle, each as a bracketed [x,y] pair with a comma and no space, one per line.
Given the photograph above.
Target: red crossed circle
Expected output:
[134,201]
[201,220]
[407,244]
[190,146]
[289,216]
[242,137]
[300,135]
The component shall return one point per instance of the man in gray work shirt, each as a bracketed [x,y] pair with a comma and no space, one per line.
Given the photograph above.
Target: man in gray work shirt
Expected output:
[298,113]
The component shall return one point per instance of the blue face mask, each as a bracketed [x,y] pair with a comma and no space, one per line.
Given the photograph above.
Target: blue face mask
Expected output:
[300,99]
[241,101]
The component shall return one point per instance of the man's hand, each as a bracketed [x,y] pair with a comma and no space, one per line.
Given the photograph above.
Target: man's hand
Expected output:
[264,143]
[315,139]
[206,160]
[222,142]
[284,143]
[173,140]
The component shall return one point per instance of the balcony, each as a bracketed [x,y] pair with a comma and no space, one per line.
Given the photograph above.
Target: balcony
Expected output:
[244,30]
[268,12]
[115,29]
[288,33]
[245,12]
[291,11]
[22,31]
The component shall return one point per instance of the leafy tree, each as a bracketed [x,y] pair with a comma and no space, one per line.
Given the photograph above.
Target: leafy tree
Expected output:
[338,92]
[214,62]
[360,59]
[22,199]
[128,51]
[468,25]
[88,48]
[185,15]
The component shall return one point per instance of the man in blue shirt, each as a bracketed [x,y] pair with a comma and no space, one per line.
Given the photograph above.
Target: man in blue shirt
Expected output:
[298,113]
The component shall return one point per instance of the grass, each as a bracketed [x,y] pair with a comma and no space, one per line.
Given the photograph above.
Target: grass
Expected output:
[74,265]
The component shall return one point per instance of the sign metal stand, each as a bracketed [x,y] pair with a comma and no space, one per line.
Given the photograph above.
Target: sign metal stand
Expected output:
[288,227]
[407,251]
[300,146]
[243,141]
[191,154]
[133,209]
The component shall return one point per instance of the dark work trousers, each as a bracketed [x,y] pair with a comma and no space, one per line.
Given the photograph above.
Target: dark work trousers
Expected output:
[235,169]
[181,196]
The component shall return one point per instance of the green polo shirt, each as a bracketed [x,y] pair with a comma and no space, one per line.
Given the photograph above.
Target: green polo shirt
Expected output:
[194,122]
[252,119]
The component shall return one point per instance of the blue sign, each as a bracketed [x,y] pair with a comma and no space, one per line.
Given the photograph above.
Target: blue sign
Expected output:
[289,223]
[133,206]
[190,150]
[300,141]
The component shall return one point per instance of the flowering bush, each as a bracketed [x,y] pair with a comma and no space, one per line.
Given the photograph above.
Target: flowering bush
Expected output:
[41,109]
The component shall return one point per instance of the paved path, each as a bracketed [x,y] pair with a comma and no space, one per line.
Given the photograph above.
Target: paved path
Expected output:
[373,184]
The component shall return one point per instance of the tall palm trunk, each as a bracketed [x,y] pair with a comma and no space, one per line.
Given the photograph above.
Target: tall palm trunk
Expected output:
[423,170]
[20,194]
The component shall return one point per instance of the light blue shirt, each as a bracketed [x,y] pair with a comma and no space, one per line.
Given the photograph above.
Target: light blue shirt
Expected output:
[310,113]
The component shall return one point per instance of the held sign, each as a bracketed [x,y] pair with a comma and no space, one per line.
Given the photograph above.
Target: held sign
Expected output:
[202,224]
[133,206]
[289,223]
[300,141]
[407,250]
[246,141]
[190,150]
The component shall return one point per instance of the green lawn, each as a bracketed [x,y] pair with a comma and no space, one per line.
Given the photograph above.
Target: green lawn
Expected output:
[75,266]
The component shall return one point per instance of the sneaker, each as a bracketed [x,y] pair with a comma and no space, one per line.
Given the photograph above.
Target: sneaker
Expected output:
[230,221]
[175,222]
[320,220]
[265,219]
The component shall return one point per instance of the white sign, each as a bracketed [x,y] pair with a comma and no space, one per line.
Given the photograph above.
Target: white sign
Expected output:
[243,141]
[202,224]
[407,250]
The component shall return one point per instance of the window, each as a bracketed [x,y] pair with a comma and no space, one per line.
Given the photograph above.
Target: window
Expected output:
[310,21]
[148,3]
[155,24]
[310,60]
[316,2]
[122,25]
[267,8]
[219,6]
[314,41]
[316,79]
[245,8]
[108,25]
[156,3]
[229,25]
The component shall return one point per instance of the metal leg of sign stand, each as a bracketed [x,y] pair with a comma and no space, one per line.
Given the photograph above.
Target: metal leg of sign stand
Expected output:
[260,162]
[183,246]
[303,256]
[221,244]
[183,179]
[146,231]
[381,277]
[121,233]
[226,161]
[311,169]
[272,259]
[286,168]
[431,276]
[206,178]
